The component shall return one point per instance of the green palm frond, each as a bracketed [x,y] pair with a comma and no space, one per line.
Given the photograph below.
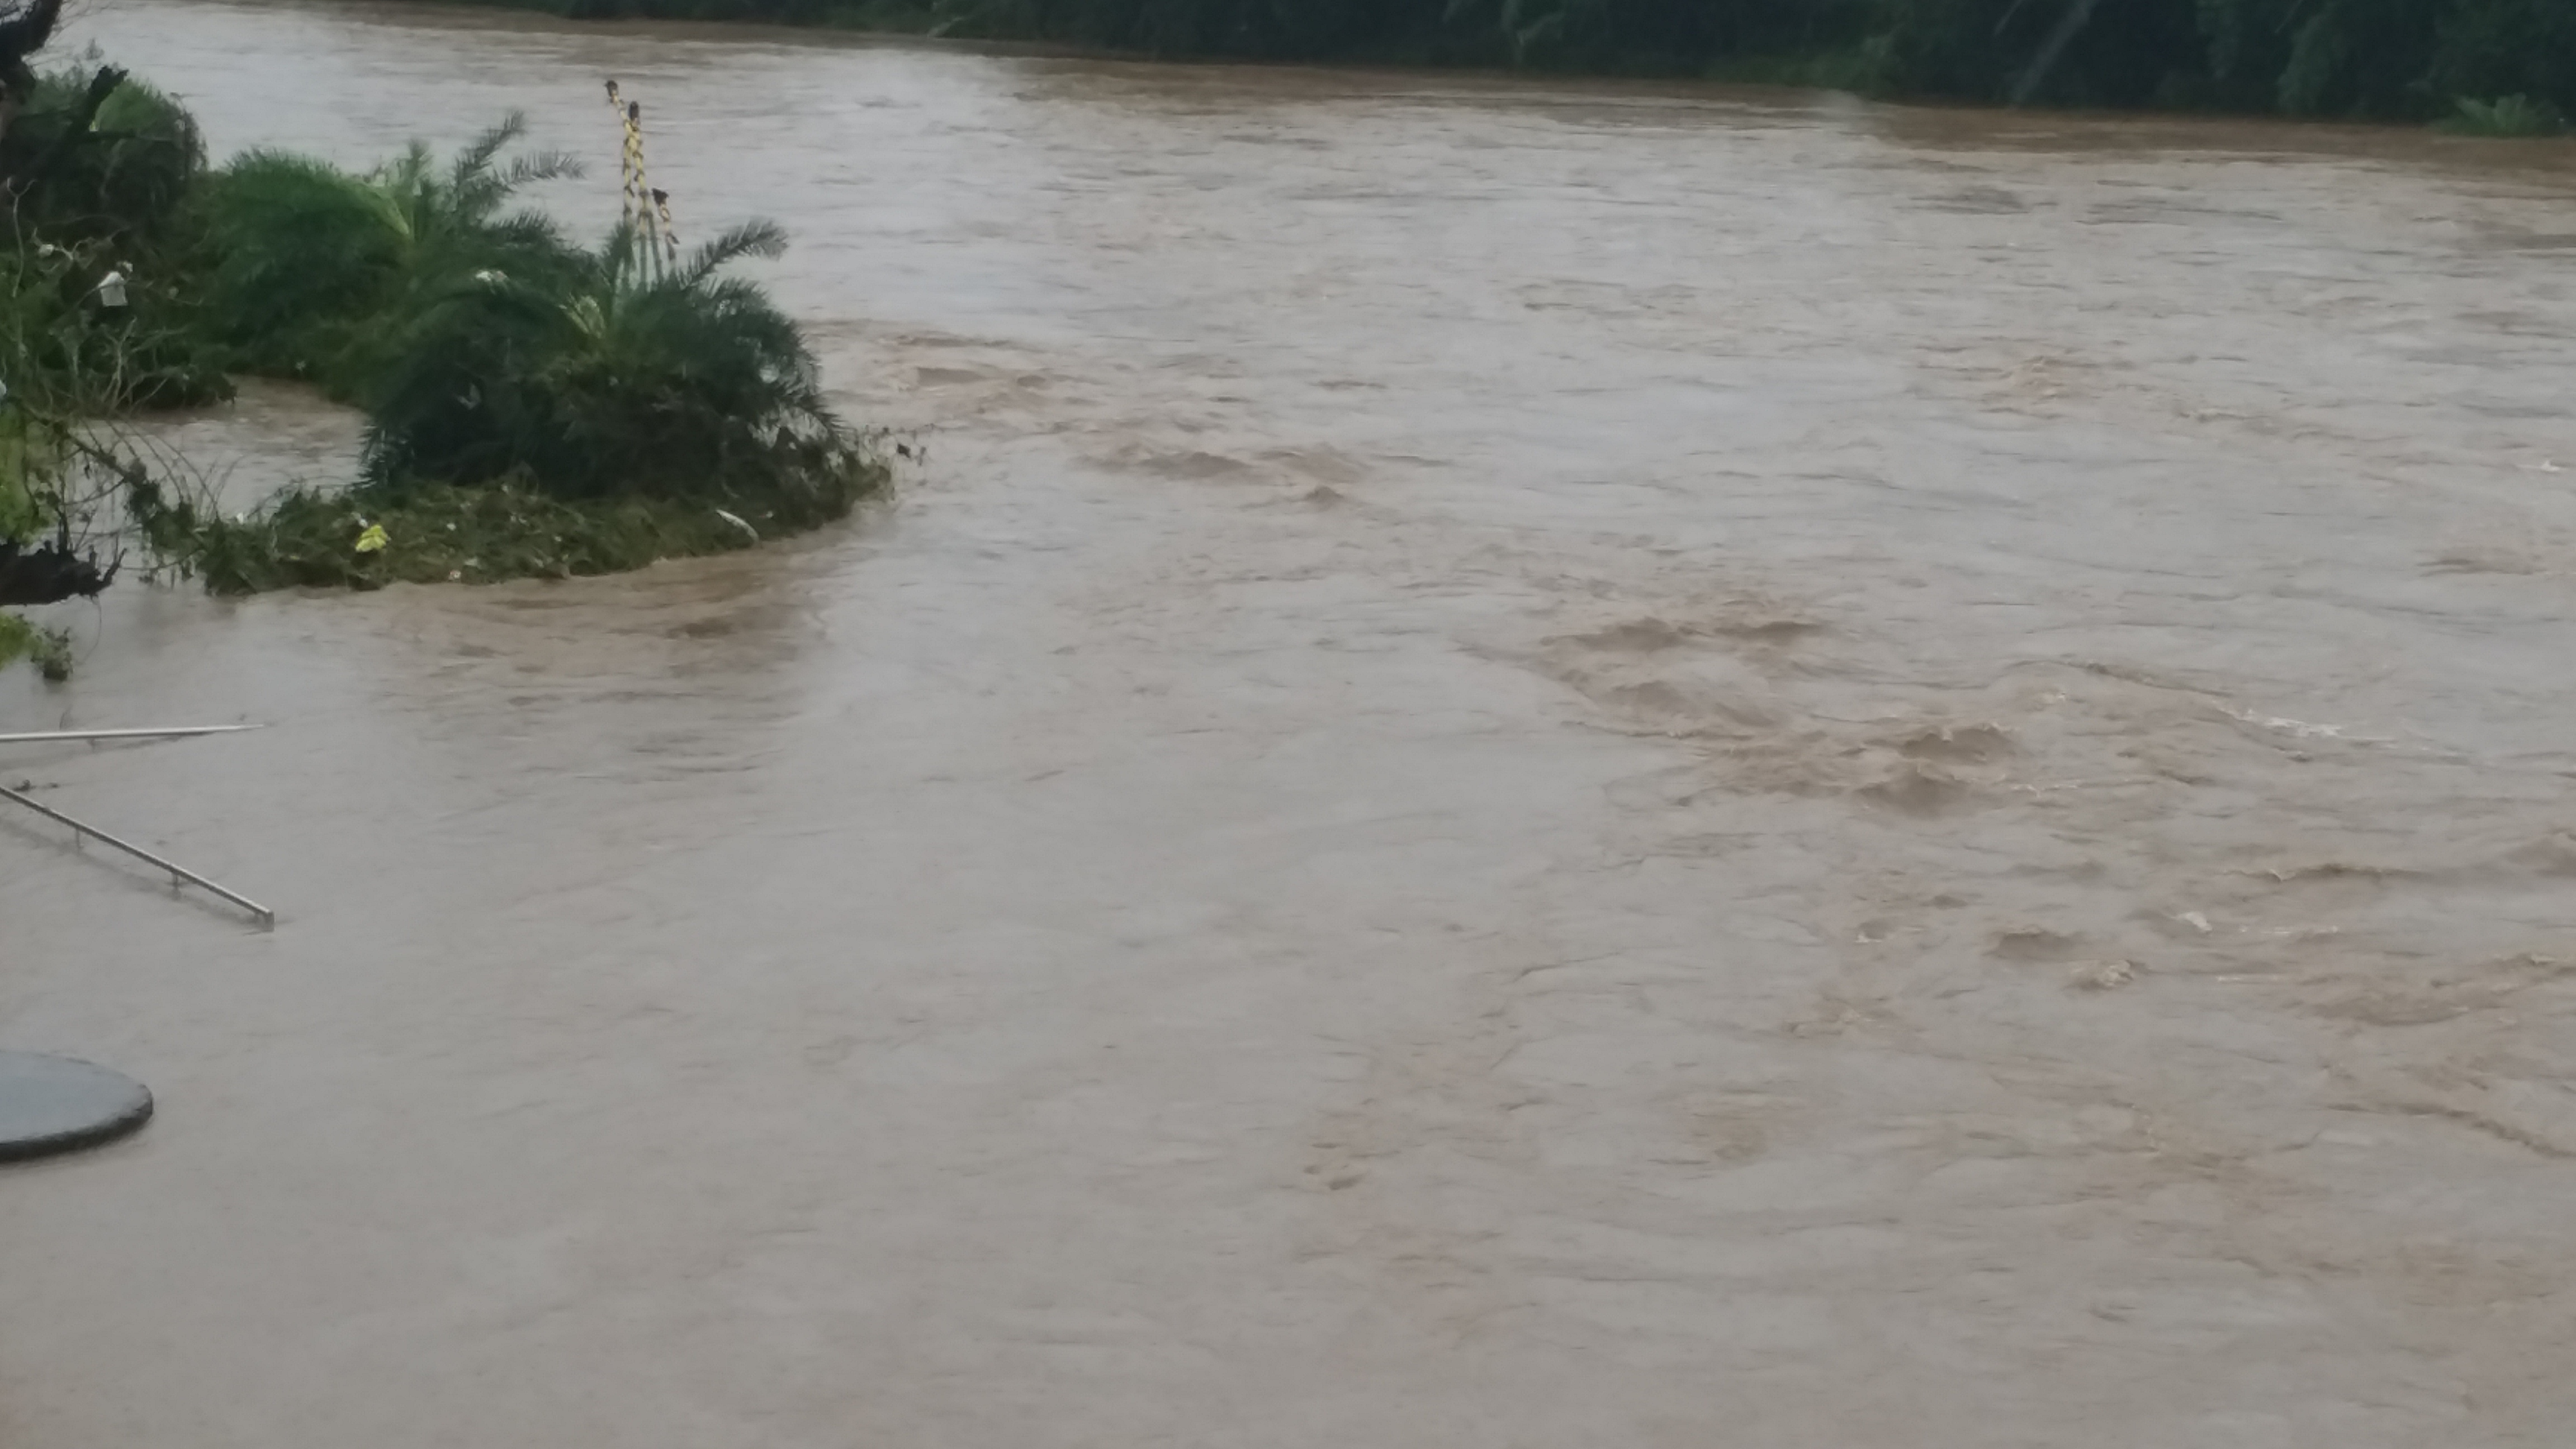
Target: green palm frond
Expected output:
[766,240]
[621,375]
[312,260]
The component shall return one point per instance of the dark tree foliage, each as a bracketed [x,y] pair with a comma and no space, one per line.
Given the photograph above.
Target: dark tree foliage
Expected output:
[48,573]
[2390,59]
[25,27]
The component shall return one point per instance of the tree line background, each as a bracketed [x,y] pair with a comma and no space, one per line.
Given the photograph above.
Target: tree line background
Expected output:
[2376,59]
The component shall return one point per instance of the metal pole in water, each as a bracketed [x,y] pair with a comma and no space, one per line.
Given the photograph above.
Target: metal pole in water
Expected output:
[178,875]
[50,737]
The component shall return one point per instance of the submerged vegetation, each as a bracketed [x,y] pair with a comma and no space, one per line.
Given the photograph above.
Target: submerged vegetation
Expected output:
[50,650]
[2515,115]
[534,407]
[2386,59]
[440,533]
[592,412]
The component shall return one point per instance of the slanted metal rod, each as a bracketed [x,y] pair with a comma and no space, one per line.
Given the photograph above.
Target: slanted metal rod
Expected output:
[49,737]
[178,875]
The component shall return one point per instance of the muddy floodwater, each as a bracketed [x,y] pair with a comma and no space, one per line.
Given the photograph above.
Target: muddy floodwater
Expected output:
[1539,764]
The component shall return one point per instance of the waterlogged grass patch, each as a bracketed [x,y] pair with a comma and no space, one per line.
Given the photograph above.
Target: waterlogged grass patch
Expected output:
[366,538]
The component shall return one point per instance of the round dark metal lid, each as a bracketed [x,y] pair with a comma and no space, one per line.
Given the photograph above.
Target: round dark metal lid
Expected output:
[56,1104]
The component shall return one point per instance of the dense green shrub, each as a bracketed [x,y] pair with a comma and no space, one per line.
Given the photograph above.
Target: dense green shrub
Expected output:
[115,169]
[633,373]
[533,408]
[96,312]
[2505,116]
[308,264]
[65,350]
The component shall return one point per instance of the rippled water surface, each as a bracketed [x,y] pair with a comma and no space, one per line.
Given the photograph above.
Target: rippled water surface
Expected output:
[1537,765]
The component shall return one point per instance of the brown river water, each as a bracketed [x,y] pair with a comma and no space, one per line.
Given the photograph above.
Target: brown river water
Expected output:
[1539,764]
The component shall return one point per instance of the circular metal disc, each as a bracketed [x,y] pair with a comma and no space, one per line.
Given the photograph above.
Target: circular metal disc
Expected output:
[56,1104]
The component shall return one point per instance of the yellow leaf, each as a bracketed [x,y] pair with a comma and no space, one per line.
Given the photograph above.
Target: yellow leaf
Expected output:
[373,539]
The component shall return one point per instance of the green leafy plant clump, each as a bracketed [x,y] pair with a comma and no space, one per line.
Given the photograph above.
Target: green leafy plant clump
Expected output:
[2506,116]
[50,650]
[96,177]
[617,372]
[533,408]
[308,263]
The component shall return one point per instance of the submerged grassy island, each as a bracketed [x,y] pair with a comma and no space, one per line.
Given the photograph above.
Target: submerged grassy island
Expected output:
[534,406]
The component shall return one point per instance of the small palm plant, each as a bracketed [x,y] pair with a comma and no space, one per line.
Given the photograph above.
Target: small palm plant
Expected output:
[638,373]
[311,260]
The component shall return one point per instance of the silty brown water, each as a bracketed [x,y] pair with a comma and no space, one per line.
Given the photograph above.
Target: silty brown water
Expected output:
[1539,764]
